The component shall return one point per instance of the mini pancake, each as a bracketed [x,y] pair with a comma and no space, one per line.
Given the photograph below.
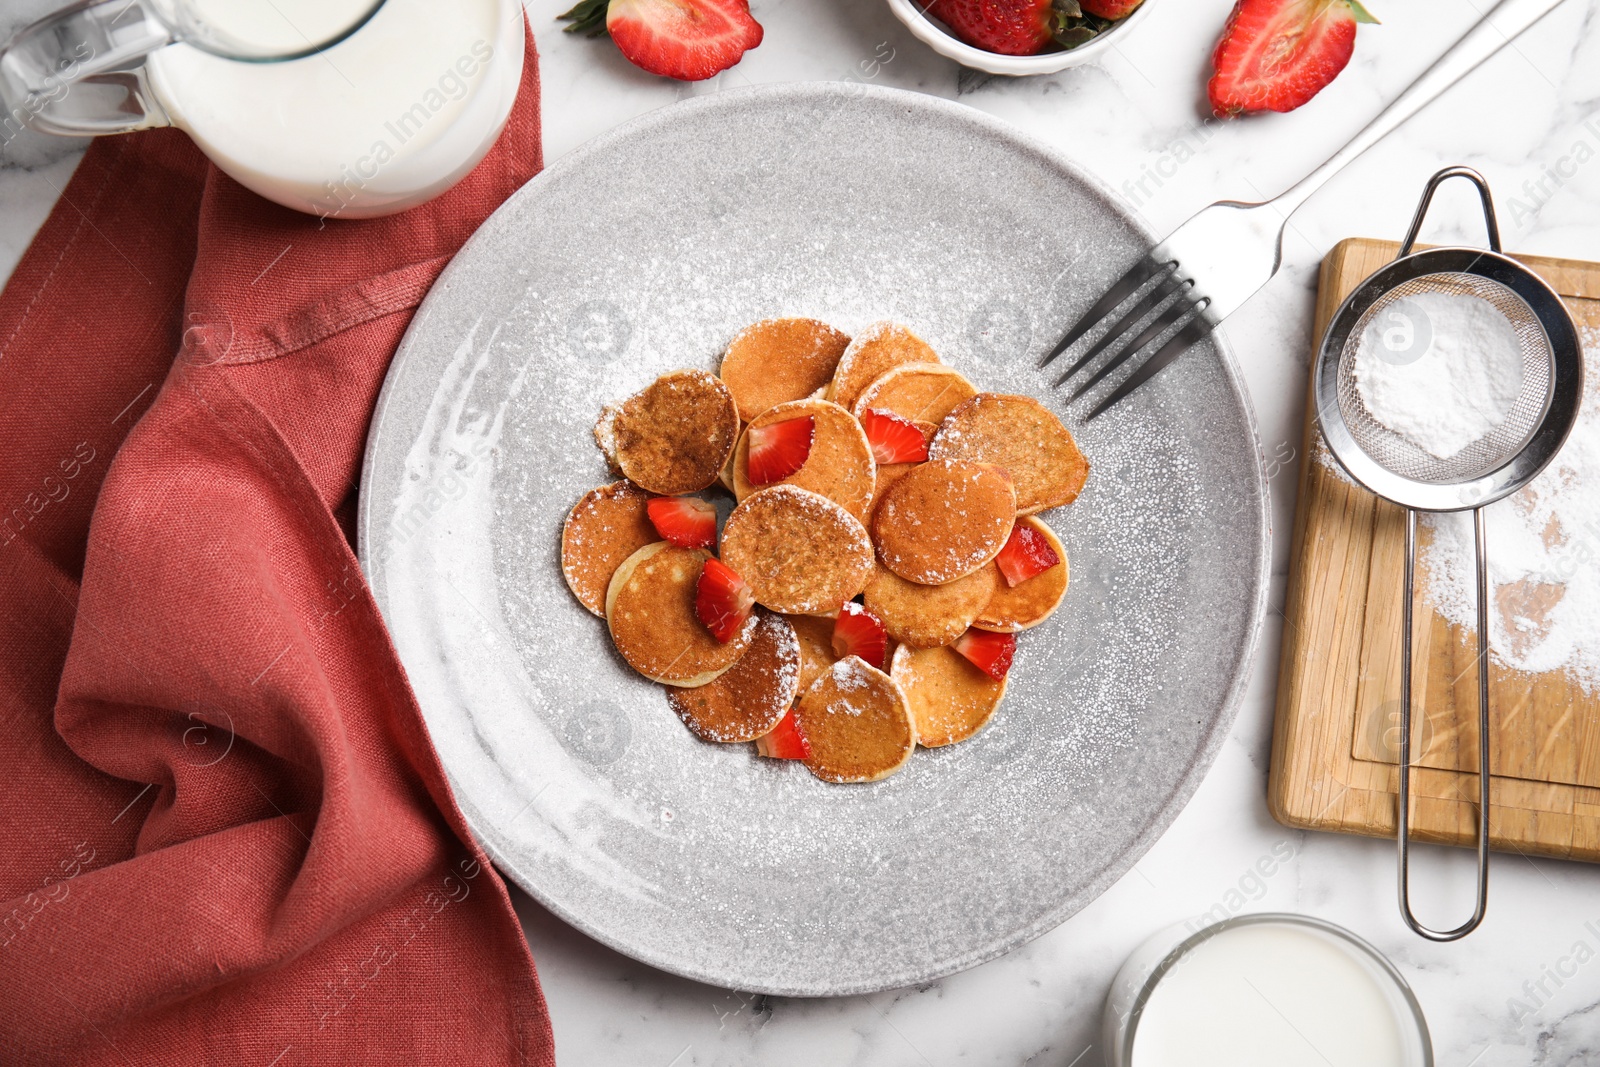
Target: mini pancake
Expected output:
[840,465]
[605,436]
[779,360]
[858,725]
[887,476]
[650,612]
[1019,607]
[815,633]
[875,351]
[602,530]
[926,616]
[949,698]
[725,476]
[944,520]
[1021,435]
[750,698]
[921,392]
[800,553]
[675,435]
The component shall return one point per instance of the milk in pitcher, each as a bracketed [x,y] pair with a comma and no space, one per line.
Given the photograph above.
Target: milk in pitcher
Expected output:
[390,117]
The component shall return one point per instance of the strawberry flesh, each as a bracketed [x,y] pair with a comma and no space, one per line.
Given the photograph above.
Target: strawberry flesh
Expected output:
[690,40]
[1275,55]
[893,439]
[779,449]
[784,741]
[990,653]
[1027,553]
[858,632]
[685,521]
[722,601]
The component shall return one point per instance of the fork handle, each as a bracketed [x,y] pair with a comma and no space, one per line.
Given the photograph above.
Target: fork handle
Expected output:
[1493,32]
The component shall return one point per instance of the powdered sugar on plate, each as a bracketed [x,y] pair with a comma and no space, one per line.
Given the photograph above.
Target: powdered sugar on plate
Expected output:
[850,207]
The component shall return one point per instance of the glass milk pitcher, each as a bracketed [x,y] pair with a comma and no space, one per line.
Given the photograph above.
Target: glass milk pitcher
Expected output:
[338,108]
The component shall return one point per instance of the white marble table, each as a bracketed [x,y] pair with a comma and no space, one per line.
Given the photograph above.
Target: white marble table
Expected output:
[1502,997]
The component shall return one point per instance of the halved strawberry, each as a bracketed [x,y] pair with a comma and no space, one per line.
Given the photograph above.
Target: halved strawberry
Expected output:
[686,521]
[784,741]
[690,40]
[990,653]
[1027,553]
[722,601]
[779,449]
[858,632]
[893,439]
[1275,55]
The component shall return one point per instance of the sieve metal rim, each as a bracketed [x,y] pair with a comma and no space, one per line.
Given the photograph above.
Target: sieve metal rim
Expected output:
[1549,434]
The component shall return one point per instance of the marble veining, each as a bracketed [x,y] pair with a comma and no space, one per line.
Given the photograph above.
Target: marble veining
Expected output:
[1524,989]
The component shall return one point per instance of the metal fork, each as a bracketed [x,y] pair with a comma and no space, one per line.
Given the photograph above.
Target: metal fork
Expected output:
[1218,259]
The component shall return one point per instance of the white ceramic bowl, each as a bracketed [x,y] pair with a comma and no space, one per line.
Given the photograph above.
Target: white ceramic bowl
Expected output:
[937,38]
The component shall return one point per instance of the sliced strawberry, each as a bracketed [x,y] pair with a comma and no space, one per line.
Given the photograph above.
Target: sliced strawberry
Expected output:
[690,40]
[779,449]
[722,601]
[990,653]
[858,632]
[1027,553]
[1275,55]
[785,741]
[686,521]
[893,439]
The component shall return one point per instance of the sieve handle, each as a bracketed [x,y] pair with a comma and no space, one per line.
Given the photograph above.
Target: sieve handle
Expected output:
[1493,32]
[1427,198]
[1403,819]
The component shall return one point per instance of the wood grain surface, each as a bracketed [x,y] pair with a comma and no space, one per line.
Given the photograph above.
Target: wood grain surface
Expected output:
[1336,733]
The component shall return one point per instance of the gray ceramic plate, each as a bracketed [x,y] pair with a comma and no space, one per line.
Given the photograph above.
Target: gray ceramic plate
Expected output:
[645,251]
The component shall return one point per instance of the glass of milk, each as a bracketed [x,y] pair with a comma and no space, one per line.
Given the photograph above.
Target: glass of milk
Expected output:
[339,108]
[1263,990]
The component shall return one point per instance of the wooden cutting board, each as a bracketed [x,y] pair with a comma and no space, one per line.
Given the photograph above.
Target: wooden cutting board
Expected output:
[1336,732]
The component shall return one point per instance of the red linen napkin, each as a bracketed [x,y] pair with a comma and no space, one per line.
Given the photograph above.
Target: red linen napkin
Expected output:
[224,835]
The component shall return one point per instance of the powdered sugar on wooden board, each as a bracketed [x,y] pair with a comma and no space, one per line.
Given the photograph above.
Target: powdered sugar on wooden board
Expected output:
[1544,556]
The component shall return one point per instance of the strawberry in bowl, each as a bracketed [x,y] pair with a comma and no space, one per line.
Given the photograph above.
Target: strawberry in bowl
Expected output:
[1017,36]
[1029,27]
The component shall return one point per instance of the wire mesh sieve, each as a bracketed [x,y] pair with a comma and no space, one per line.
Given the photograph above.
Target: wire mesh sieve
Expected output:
[1398,454]
[1507,457]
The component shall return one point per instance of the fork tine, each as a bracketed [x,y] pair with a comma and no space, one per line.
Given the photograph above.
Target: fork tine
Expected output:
[1120,290]
[1165,288]
[1159,325]
[1193,332]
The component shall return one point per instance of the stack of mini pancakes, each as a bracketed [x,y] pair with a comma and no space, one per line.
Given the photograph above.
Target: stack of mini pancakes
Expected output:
[916,543]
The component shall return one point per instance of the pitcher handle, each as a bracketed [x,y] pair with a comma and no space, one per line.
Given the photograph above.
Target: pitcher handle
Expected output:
[80,72]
